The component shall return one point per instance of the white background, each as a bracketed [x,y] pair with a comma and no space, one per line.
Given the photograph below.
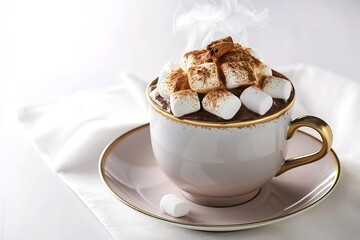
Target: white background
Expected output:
[52,48]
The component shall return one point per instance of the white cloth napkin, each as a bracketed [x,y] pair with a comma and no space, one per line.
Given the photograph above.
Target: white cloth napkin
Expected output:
[72,132]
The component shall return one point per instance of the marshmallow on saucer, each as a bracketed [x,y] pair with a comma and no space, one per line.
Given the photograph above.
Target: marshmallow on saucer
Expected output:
[165,71]
[221,103]
[164,103]
[238,74]
[174,206]
[256,100]
[203,78]
[184,102]
[277,87]
[176,80]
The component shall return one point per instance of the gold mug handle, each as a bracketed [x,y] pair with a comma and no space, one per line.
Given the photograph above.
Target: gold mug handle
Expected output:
[318,125]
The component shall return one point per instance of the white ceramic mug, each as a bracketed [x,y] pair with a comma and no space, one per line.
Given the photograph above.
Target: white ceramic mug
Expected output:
[225,164]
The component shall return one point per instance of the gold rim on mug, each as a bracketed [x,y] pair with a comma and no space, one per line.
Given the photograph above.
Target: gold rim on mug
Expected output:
[217,124]
[113,144]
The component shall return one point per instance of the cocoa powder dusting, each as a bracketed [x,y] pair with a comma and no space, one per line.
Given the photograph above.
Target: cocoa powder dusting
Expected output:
[220,72]
[222,51]
[237,54]
[247,68]
[200,56]
[200,70]
[179,79]
[214,95]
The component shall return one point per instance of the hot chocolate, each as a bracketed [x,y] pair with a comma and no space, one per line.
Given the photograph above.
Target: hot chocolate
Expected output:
[224,82]
[219,124]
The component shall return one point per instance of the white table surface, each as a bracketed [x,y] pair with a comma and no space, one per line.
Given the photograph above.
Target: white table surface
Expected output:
[49,49]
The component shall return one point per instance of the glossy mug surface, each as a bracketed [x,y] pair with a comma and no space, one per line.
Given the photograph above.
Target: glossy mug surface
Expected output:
[225,164]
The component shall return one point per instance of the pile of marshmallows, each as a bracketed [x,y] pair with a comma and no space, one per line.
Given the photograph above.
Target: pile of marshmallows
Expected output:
[198,73]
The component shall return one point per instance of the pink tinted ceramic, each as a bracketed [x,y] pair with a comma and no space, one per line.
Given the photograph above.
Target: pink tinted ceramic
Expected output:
[134,177]
[219,166]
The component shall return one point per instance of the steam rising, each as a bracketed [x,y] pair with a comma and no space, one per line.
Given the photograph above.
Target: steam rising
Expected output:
[203,21]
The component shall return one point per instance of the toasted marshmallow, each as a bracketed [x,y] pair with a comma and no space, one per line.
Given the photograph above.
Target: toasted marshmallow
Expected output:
[238,74]
[256,100]
[174,206]
[165,71]
[277,87]
[221,103]
[162,102]
[184,102]
[176,80]
[203,78]
[193,58]
[261,72]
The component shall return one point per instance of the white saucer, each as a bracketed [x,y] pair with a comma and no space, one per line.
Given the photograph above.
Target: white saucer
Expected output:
[128,169]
